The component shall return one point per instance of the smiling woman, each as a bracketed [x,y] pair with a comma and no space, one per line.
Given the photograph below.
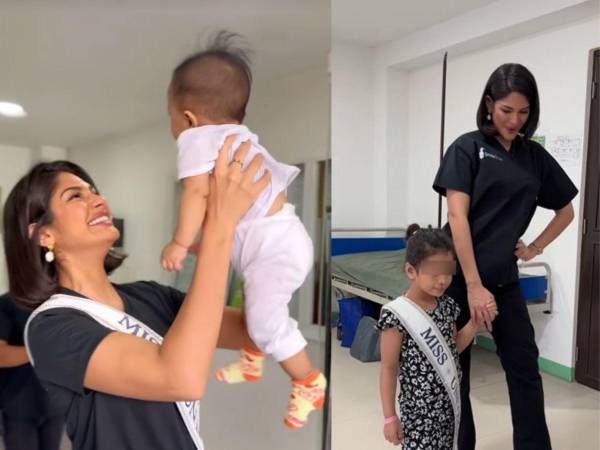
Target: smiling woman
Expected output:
[494,178]
[138,357]
[98,99]
[510,104]
[41,279]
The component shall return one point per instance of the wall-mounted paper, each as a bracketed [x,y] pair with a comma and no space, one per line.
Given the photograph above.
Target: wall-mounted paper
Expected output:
[566,149]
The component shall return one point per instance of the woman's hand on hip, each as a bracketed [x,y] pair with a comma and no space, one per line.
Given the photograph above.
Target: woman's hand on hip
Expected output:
[481,304]
[232,190]
[524,252]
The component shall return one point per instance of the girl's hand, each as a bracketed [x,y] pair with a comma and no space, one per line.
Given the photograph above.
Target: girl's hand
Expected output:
[232,191]
[394,432]
[525,253]
[492,307]
[477,325]
[479,299]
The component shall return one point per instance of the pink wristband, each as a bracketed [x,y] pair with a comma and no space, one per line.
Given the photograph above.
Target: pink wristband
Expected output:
[391,419]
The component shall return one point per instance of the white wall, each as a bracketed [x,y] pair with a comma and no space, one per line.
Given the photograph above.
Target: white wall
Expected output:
[352,136]
[14,162]
[137,175]
[481,28]
[472,33]
[50,153]
[370,88]
[291,116]
[392,147]
[553,40]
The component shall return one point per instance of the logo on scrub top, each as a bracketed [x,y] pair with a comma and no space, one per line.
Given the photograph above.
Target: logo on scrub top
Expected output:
[484,154]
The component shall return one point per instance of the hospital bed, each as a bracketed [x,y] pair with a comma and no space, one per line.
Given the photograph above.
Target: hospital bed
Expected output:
[369,263]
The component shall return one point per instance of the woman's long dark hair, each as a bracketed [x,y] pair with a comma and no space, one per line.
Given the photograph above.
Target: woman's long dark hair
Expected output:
[505,80]
[31,279]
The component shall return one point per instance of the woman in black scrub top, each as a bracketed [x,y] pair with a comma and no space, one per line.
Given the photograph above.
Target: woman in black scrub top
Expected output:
[30,420]
[116,389]
[494,179]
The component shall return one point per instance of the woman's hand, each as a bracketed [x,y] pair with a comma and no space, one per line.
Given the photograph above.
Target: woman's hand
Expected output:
[479,325]
[524,252]
[232,190]
[394,432]
[481,303]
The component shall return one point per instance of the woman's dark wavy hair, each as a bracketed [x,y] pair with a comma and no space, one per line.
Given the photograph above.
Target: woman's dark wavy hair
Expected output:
[421,243]
[505,80]
[31,279]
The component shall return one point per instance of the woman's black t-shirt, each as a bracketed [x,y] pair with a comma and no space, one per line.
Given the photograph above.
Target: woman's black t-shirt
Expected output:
[21,394]
[63,340]
[505,187]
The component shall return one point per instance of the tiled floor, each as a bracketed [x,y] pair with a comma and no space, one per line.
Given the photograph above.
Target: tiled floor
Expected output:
[250,416]
[572,410]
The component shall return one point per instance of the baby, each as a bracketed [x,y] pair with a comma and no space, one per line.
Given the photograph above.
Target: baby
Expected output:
[272,251]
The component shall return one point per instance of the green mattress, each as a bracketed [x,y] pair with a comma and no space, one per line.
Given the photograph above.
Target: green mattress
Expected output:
[378,272]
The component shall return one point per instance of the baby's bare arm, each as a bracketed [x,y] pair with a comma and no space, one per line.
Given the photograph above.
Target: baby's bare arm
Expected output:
[192,209]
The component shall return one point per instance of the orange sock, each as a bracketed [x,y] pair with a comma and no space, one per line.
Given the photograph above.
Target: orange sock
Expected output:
[309,379]
[253,352]
[248,368]
[307,395]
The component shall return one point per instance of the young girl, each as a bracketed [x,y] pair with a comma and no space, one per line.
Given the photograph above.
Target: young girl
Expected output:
[419,337]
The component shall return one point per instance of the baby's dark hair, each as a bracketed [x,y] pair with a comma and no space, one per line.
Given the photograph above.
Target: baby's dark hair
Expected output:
[216,81]
[421,243]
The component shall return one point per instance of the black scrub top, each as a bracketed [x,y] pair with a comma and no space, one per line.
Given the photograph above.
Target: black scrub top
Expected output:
[62,341]
[505,187]
[21,394]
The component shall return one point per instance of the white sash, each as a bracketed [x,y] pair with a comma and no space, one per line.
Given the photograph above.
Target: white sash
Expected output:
[120,321]
[430,340]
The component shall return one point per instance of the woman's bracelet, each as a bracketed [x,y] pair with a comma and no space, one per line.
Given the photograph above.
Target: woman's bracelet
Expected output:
[391,419]
[537,249]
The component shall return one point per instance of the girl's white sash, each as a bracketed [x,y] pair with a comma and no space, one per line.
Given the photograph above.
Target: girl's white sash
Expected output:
[430,340]
[120,321]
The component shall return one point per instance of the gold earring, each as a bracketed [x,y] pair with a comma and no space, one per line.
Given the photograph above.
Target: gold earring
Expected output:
[49,256]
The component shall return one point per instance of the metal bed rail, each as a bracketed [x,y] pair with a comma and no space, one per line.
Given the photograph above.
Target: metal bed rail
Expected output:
[360,290]
[372,294]
[367,232]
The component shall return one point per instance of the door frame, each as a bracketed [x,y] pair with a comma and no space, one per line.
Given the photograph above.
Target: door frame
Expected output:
[310,219]
[580,271]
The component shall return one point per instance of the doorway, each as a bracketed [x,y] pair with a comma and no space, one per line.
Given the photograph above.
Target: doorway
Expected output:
[588,337]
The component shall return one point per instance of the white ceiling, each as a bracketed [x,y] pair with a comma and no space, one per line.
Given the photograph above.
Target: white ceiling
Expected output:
[86,70]
[376,22]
